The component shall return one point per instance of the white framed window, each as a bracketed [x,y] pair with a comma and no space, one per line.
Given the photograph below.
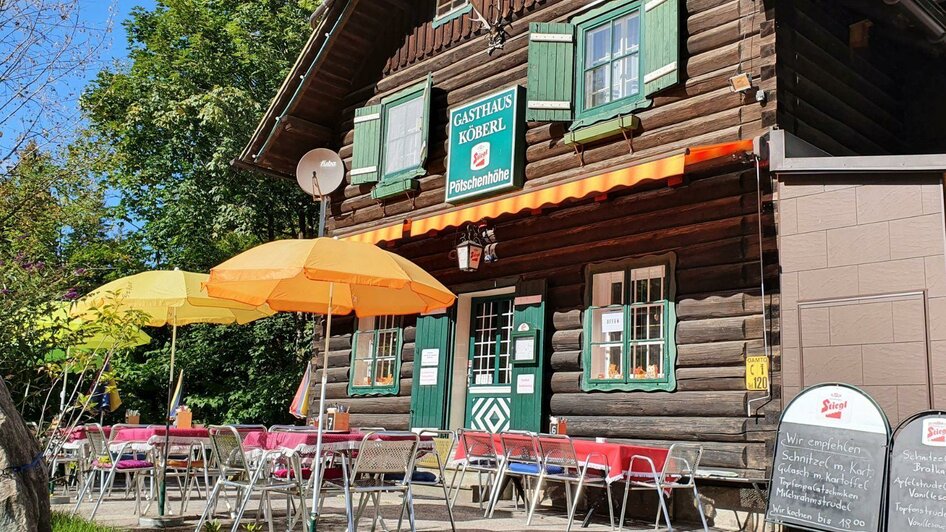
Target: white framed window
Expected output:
[376,356]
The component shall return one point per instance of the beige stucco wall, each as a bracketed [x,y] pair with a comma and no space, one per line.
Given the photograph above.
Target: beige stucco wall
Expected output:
[863,287]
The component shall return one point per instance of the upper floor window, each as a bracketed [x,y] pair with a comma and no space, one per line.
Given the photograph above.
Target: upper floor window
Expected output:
[629,327]
[376,356]
[450,9]
[610,48]
[390,144]
[603,64]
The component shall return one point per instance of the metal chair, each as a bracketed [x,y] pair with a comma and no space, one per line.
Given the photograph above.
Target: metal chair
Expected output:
[235,472]
[481,457]
[560,463]
[103,461]
[679,471]
[444,443]
[521,459]
[383,465]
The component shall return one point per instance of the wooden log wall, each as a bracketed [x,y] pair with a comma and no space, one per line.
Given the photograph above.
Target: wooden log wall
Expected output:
[843,101]
[723,38]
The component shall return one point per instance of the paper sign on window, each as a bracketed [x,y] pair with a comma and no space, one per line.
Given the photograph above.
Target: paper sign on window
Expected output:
[430,357]
[525,384]
[612,322]
[428,376]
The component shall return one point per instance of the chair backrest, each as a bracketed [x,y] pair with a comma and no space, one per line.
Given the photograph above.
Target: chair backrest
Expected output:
[444,442]
[293,428]
[558,450]
[228,449]
[683,460]
[118,427]
[98,444]
[520,446]
[369,429]
[477,444]
[387,452]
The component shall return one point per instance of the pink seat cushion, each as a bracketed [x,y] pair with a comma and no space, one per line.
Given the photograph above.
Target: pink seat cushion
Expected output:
[134,464]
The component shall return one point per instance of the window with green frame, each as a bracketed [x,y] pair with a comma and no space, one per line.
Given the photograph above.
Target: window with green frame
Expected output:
[609,57]
[629,326]
[448,10]
[376,357]
[390,142]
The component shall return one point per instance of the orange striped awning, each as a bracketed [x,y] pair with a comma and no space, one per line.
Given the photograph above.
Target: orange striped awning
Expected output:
[381,234]
[666,167]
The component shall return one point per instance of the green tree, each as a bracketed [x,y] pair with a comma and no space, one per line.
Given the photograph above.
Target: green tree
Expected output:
[199,76]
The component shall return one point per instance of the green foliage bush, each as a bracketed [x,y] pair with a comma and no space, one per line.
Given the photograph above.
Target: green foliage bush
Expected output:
[67,523]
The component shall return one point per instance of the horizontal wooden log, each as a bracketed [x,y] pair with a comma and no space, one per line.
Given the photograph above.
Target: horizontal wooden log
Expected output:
[566,340]
[640,427]
[377,405]
[388,421]
[610,404]
[726,378]
[565,361]
[334,375]
[739,304]
[719,329]
[717,353]
[566,320]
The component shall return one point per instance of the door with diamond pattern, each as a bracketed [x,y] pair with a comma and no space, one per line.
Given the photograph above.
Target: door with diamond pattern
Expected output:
[489,373]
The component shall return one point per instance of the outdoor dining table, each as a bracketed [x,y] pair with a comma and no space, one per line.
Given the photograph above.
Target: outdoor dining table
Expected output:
[612,458]
[146,438]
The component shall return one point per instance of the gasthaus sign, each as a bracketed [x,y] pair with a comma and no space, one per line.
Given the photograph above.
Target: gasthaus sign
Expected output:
[486,145]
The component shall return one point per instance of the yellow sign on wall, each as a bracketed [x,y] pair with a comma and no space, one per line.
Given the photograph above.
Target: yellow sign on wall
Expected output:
[757,373]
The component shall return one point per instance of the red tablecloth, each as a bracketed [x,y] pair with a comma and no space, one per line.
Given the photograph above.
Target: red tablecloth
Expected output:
[78,433]
[147,437]
[303,442]
[615,458]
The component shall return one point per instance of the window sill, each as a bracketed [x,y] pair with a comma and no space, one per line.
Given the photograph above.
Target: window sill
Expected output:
[647,386]
[615,109]
[394,187]
[602,130]
[453,15]
[372,390]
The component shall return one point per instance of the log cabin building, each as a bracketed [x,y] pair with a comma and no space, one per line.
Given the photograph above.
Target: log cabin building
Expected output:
[662,188]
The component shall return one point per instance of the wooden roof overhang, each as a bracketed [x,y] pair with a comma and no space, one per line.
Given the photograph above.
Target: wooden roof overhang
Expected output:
[356,44]
[670,167]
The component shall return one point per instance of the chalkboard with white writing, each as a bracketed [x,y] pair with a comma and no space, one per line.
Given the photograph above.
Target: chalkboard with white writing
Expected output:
[830,460]
[917,486]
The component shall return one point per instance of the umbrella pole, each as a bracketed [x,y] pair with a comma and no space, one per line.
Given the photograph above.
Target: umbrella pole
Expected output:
[317,486]
[163,489]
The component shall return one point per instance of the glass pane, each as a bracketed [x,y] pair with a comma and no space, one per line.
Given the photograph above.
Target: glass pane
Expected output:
[364,346]
[648,361]
[607,325]
[648,284]
[648,322]
[503,359]
[607,289]
[484,340]
[404,130]
[361,372]
[597,86]
[624,77]
[607,362]
[597,46]
[626,35]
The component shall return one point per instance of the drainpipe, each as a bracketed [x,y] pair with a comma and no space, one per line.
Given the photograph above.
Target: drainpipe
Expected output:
[757,157]
[928,14]
[304,77]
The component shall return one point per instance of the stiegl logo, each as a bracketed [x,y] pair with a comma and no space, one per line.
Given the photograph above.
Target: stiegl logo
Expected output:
[934,432]
[833,407]
[479,156]
[328,164]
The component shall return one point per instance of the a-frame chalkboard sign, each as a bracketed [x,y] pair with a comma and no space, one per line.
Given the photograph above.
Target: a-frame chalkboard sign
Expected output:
[916,496]
[830,462]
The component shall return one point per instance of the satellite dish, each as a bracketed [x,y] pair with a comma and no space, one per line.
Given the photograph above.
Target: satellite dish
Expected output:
[320,172]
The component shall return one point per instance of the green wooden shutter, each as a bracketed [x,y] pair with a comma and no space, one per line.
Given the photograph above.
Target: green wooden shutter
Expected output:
[550,92]
[425,131]
[429,402]
[529,409]
[366,152]
[661,46]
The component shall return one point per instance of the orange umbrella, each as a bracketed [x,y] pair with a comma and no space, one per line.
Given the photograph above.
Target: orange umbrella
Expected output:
[328,276]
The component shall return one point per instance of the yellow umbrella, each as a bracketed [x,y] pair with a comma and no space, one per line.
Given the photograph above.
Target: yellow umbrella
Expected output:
[327,276]
[168,297]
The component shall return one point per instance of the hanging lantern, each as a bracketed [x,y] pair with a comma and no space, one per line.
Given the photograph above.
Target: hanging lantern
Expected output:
[469,255]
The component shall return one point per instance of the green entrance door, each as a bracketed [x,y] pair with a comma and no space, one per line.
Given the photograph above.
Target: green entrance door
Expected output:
[489,392]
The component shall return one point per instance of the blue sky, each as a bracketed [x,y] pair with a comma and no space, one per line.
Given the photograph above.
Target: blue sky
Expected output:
[96,13]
